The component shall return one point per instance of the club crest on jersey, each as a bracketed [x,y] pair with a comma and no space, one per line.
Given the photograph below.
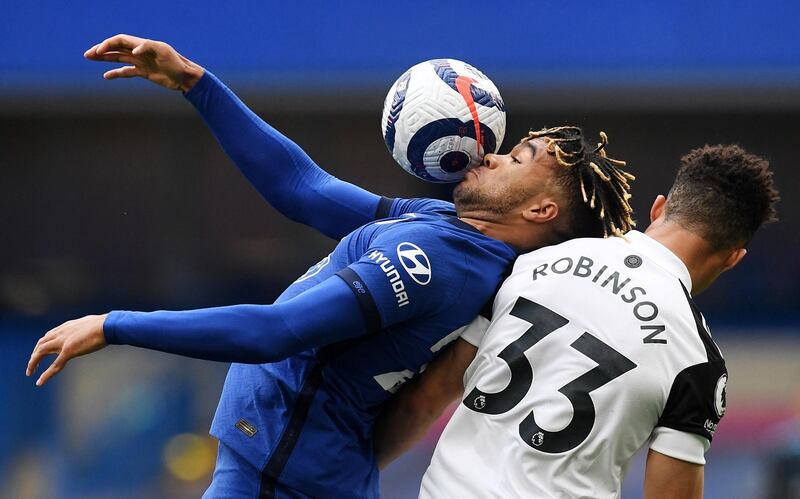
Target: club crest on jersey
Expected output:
[398,286]
[415,261]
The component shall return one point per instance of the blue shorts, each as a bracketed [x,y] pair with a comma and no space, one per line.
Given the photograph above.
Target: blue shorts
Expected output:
[236,478]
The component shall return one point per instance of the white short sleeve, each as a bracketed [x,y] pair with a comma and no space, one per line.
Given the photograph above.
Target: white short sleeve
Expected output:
[680,445]
[474,331]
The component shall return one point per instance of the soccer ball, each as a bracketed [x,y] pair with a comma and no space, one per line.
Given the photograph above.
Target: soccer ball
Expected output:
[440,118]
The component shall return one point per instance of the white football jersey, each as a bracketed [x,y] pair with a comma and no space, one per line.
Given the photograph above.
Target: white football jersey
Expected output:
[595,349]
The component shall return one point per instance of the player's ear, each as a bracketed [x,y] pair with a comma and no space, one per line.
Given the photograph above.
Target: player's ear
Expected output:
[541,211]
[657,210]
[733,259]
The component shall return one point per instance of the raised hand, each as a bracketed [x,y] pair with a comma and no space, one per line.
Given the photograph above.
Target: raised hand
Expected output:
[67,341]
[150,59]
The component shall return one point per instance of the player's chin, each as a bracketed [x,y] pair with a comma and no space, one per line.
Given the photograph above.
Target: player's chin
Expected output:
[466,192]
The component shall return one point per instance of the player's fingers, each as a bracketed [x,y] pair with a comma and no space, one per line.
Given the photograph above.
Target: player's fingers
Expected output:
[94,55]
[46,337]
[118,42]
[92,52]
[53,333]
[40,352]
[147,47]
[50,345]
[56,367]
[123,57]
[123,72]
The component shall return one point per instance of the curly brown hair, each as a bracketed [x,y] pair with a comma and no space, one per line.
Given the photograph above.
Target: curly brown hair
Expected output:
[724,194]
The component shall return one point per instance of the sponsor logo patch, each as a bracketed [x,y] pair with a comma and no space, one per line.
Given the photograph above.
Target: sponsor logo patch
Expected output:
[415,261]
[398,286]
[719,395]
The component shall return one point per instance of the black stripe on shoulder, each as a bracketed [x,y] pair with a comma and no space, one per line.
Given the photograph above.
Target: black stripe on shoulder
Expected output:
[696,401]
[712,350]
[384,208]
[364,297]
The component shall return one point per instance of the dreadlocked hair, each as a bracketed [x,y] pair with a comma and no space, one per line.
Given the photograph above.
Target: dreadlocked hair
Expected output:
[596,186]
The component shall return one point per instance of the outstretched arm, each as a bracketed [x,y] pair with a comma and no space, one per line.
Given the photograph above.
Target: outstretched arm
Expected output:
[356,300]
[411,412]
[324,314]
[669,478]
[281,172]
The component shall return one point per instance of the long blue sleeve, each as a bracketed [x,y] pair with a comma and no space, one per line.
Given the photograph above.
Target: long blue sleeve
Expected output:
[281,172]
[253,334]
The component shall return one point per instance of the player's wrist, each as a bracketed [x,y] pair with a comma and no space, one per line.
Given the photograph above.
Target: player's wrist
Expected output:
[192,73]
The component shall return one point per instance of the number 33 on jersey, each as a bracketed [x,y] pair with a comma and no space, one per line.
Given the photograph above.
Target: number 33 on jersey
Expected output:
[595,348]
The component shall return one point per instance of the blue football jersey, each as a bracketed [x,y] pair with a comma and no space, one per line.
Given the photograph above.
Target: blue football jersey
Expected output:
[307,421]
[313,369]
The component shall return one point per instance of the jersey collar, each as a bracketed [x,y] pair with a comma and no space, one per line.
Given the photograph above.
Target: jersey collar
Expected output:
[661,255]
[462,224]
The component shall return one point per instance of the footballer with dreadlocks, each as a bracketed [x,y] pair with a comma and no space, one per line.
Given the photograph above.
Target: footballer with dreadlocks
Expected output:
[595,347]
[311,371]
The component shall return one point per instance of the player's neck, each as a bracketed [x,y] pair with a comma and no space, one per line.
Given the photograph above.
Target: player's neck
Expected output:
[518,233]
[690,248]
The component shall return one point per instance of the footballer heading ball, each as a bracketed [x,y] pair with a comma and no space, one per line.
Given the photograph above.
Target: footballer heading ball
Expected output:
[441,117]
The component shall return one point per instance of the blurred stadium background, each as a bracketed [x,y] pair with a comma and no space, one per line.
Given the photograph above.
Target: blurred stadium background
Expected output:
[114,195]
